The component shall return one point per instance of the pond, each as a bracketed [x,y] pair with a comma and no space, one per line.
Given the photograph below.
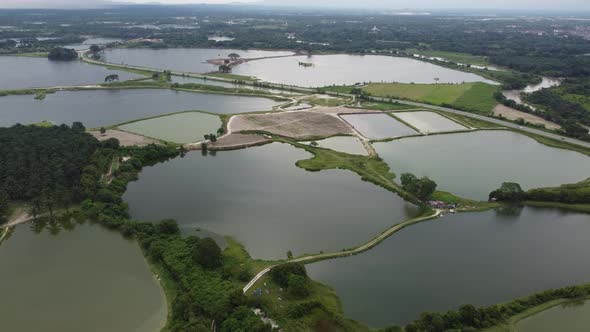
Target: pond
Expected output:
[193,60]
[19,72]
[471,258]
[182,128]
[95,108]
[473,164]
[429,122]
[565,318]
[85,279]
[546,82]
[343,69]
[346,144]
[262,199]
[378,126]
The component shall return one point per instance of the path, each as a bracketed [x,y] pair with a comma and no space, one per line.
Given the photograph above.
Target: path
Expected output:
[320,257]
[380,99]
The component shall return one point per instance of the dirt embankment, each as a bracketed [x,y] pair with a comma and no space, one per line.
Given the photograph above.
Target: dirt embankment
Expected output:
[125,138]
[512,114]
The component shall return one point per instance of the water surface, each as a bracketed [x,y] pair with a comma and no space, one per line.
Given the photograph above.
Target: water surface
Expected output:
[97,108]
[342,69]
[185,127]
[472,258]
[378,126]
[261,198]
[86,279]
[19,72]
[180,59]
[429,122]
[473,164]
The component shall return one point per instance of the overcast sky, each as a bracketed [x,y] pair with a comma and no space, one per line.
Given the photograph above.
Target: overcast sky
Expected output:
[569,5]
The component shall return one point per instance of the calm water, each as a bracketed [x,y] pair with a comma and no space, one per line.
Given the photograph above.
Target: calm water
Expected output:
[344,69]
[473,164]
[87,279]
[108,107]
[568,318]
[179,128]
[378,126]
[346,144]
[180,59]
[26,72]
[429,122]
[546,82]
[472,258]
[261,198]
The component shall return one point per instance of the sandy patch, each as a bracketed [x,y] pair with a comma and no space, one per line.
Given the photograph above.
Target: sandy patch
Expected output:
[125,138]
[512,114]
[299,125]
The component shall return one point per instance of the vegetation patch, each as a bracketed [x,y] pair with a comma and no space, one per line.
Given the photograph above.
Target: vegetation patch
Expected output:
[475,97]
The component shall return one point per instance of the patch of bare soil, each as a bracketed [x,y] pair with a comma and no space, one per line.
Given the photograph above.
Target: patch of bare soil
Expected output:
[300,125]
[512,114]
[125,138]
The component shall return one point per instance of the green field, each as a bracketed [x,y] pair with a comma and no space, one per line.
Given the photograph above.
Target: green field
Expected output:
[456,57]
[476,97]
[186,127]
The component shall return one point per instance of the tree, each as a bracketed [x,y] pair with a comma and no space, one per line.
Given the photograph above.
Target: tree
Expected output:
[207,253]
[225,68]
[281,273]
[168,226]
[111,78]
[233,56]
[94,49]
[103,131]
[62,54]
[422,188]
[509,191]
[298,285]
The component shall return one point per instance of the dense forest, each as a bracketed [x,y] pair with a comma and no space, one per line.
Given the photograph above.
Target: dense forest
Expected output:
[43,165]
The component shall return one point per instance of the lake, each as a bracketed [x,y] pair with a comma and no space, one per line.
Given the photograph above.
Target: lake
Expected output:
[378,126]
[473,164]
[97,108]
[565,318]
[472,258]
[86,279]
[191,60]
[343,69]
[261,198]
[19,72]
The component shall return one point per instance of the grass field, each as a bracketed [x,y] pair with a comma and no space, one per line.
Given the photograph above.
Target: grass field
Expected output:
[476,97]
[456,57]
[233,77]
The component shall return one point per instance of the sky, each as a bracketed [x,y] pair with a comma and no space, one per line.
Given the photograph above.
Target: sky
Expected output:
[386,4]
